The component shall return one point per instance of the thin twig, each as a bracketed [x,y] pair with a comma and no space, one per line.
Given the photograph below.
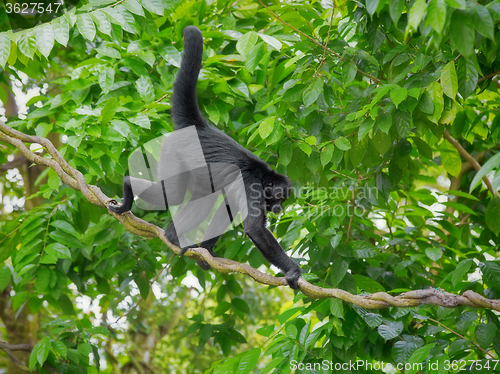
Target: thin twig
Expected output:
[376,80]
[469,158]
[462,337]
[488,76]
[353,202]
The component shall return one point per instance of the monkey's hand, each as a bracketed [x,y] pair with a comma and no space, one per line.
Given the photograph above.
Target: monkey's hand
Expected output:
[114,206]
[292,277]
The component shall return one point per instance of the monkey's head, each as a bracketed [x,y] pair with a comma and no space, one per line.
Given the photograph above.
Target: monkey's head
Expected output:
[277,189]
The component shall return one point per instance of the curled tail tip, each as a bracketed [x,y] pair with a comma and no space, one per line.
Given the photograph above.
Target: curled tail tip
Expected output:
[191,32]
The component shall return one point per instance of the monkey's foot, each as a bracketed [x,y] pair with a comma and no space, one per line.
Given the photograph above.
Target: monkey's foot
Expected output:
[292,278]
[204,265]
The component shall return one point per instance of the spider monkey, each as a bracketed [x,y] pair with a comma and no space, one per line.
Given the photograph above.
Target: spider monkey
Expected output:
[264,189]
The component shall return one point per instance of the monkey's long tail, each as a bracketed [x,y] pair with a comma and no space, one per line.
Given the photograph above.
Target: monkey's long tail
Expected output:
[185,110]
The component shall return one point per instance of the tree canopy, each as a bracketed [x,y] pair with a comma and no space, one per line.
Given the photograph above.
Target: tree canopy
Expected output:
[384,114]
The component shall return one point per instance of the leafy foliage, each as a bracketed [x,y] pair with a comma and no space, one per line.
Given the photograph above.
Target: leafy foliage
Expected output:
[350,99]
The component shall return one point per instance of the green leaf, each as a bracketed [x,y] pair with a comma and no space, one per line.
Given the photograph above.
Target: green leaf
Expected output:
[41,350]
[102,22]
[312,91]
[58,250]
[248,361]
[154,6]
[398,95]
[254,57]
[5,275]
[271,40]
[213,113]
[349,72]
[485,333]
[492,163]
[133,6]
[382,142]
[27,43]
[142,120]
[85,349]
[86,26]
[491,270]
[4,49]
[449,80]
[423,148]
[390,329]
[272,365]
[32,361]
[462,268]
[60,28]
[240,88]
[436,95]
[467,77]
[396,8]
[368,284]
[109,110]
[326,154]
[66,305]
[343,144]
[241,305]
[385,120]
[371,6]
[44,38]
[285,153]
[106,78]
[493,215]
[482,20]
[462,33]
[311,140]
[306,148]
[266,127]
[458,4]
[434,253]
[403,123]
[145,89]
[60,348]
[66,227]
[42,279]
[266,331]
[365,128]
[416,13]
[246,43]
[421,354]
[436,15]
[450,158]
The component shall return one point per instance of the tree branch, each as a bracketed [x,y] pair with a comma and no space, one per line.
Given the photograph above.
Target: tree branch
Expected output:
[11,348]
[93,194]
[18,161]
[469,158]
[488,76]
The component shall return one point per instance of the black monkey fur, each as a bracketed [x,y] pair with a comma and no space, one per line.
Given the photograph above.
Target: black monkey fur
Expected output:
[265,189]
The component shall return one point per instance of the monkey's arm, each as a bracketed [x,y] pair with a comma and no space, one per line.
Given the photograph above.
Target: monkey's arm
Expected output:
[267,244]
